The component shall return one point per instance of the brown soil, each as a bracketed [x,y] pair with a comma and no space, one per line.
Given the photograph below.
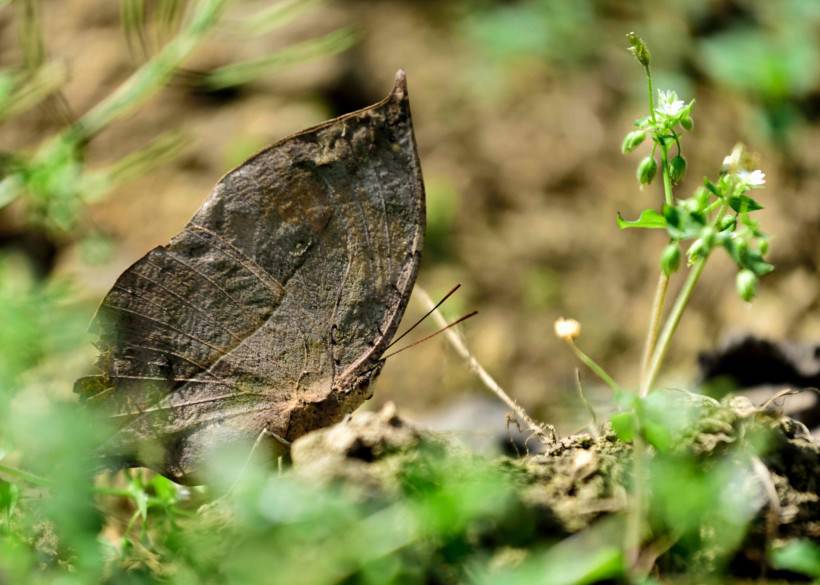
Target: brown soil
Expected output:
[580,480]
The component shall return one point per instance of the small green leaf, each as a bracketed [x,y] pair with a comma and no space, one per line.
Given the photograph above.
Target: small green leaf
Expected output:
[9,495]
[657,435]
[743,203]
[727,223]
[711,187]
[624,425]
[649,219]
[800,556]
[756,263]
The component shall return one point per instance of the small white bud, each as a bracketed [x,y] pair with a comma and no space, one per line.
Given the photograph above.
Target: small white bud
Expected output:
[567,329]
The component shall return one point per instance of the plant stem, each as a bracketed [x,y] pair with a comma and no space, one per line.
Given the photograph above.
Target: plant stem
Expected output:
[635,513]
[593,365]
[544,431]
[659,302]
[662,346]
[650,92]
[671,325]
[23,475]
[654,323]
[667,178]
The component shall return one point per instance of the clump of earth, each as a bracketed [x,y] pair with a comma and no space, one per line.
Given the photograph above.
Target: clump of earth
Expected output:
[582,480]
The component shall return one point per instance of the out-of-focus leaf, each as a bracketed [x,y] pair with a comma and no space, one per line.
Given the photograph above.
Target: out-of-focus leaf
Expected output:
[132,16]
[247,71]
[800,556]
[624,425]
[543,28]
[744,203]
[10,188]
[19,92]
[278,14]
[766,65]
[649,219]
[588,557]
[657,435]
[161,150]
[31,33]
[149,78]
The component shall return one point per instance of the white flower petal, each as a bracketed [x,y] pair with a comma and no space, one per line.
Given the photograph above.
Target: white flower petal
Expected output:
[733,160]
[753,179]
[668,103]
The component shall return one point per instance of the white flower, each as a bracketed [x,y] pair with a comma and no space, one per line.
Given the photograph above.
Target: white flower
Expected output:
[753,179]
[734,160]
[567,329]
[668,103]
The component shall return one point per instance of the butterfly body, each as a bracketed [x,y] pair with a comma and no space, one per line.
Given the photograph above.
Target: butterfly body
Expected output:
[272,308]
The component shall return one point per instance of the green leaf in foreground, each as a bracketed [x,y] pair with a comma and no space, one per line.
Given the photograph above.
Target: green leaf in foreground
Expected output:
[623,424]
[744,203]
[799,556]
[649,219]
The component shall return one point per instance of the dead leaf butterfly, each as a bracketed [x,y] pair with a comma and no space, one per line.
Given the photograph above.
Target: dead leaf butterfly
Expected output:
[272,308]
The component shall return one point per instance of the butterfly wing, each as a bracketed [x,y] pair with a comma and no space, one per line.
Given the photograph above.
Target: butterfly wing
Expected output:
[271,309]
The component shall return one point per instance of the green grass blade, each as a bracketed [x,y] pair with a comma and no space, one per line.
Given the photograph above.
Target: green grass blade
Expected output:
[277,15]
[154,74]
[247,71]
[24,92]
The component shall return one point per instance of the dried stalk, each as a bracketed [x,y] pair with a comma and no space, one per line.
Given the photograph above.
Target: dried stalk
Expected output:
[545,432]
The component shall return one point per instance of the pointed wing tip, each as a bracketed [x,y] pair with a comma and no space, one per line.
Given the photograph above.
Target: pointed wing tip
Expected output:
[400,85]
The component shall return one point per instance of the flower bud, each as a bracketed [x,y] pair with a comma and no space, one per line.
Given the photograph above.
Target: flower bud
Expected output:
[632,140]
[741,246]
[677,168]
[699,249]
[687,122]
[727,222]
[646,170]
[764,247]
[746,285]
[670,259]
[638,48]
[567,329]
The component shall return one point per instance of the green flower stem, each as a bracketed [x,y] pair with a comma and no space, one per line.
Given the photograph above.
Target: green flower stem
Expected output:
[675,315]
[667,178]
[650,92]
[659,302]
[27,476]
[655,322]
[593,365]
[672,324]
[635,513]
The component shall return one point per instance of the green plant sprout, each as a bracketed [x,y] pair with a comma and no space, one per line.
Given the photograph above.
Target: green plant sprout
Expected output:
[718,214]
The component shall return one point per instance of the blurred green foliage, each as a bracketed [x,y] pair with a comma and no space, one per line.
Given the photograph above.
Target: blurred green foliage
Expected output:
[532,28]
[747,46]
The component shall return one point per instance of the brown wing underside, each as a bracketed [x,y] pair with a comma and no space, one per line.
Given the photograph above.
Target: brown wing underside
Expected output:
[272,307]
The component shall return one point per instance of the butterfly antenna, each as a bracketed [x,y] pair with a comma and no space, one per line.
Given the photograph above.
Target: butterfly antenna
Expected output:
[423,339]
[427,314]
